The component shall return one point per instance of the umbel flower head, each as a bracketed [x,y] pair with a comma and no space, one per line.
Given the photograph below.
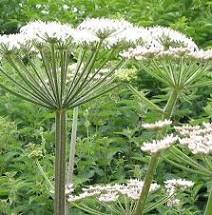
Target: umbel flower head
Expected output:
[111,193]
[173,58]
[159,145]
[172,186]
[58,66]
[198,139]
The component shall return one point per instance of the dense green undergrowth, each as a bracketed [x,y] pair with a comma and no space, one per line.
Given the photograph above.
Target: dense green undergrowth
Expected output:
[109,131]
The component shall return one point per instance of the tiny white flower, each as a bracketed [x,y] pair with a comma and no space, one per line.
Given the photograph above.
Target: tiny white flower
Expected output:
[159,145]
[198,139]
[65,7]
[157,125]
[104,27]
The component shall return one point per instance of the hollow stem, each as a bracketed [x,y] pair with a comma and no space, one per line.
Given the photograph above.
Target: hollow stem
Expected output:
[60,136]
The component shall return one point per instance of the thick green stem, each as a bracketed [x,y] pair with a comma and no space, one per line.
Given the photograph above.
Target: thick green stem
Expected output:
[154,158]
[208,210]
[169,108]
[72,152]
[147,183]
[60,136]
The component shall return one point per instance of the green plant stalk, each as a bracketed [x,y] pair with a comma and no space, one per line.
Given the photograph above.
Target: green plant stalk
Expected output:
[60,165]
[208,209]
[44,175]
[72,152]
[154,158]
[147,183]
[171,103]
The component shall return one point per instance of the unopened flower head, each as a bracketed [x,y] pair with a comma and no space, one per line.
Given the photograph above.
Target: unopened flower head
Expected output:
[159,145]
[125,74]
[157,125]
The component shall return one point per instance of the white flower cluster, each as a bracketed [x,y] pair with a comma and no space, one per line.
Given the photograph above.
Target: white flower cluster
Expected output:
[171,38]
[166,42]
[154,41]
[202,54]
[172,186]
[110,31]
[159,145]
[130,35]
[110,193]
[11,42]
[40,31]
[69,188]
[197,138]
[157,125]
[103,27]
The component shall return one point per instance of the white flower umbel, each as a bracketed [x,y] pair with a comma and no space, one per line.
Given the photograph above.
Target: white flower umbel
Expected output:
[157,125]
[130,35]
[172,186]
[110,193]
[197,138]
[84,37]
[104,27]
[12,42]
[142,52]
[202,54]
[84,195]
[108,197]
[171,38]
[159,145]
[164,42]
[40,31]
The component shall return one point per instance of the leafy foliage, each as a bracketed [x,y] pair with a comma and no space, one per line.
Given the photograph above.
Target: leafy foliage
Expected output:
[109,132]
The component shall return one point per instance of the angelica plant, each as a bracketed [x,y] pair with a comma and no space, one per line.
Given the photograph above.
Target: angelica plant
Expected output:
[59,67]
[176,61]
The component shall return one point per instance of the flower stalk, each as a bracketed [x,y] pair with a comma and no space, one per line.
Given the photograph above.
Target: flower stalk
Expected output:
[147,183]
[155,158]
[60,162]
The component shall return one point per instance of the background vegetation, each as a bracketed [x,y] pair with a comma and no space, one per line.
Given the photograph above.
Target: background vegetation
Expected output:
[109,131]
